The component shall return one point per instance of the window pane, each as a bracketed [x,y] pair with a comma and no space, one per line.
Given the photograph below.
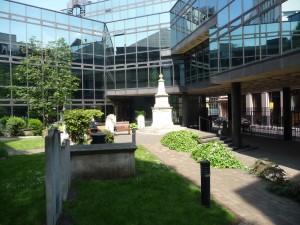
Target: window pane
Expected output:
[16,8]
[131,78]
[143,77]
[120,79]
[223,17]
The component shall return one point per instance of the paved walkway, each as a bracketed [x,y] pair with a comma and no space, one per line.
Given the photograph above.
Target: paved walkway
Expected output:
[238,190]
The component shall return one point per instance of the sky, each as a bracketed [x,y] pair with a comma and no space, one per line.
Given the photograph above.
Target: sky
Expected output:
[56,5]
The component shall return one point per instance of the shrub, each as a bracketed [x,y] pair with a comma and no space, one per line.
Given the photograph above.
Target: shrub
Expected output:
[110,137]
[36,126]
[4,120]
[182,141]
[218,155]
[288,189]
[133,126]
[269,170]
[78,121]
[15,125]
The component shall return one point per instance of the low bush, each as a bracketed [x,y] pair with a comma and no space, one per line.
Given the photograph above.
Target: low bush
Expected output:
[269,170]
[78,122]
[218,155]
[15,125]
[4,120]
[110,137]
[278,182]
[182,141]
[36,126]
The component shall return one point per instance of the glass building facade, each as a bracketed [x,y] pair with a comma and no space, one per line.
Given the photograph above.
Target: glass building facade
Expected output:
[115,45]
[241,32]
[124,45]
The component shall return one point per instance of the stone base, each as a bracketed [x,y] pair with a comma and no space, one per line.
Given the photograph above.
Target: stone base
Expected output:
[161,130]
[103,161]
[162,117]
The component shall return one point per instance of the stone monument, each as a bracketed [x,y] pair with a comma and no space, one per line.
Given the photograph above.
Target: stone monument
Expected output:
[162,111]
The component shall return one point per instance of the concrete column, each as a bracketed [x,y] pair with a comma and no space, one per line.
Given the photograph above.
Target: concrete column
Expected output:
[265,105]
[236,114]
[249,107]
[229,105]
[287,117]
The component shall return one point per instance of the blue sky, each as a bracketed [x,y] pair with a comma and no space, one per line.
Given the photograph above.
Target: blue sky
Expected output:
[56,5]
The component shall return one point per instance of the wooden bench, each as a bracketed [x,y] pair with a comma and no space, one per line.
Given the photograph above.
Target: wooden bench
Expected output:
[122,126]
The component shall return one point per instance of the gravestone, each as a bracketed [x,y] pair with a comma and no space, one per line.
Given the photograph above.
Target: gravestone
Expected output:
[110,123]
[141,121]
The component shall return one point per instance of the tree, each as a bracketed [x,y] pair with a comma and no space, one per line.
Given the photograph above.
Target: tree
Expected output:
[44,78]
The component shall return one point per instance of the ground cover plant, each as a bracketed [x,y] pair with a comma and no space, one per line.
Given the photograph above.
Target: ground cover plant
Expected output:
[23,144]
[279,183]
[182,141]
[218,155]
[157,195]
[187,141]
[22,190]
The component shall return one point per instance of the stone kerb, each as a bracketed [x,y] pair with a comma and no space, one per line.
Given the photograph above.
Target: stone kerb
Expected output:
[103,161]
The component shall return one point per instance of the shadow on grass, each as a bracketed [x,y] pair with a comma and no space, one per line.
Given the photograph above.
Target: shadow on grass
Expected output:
[157,195]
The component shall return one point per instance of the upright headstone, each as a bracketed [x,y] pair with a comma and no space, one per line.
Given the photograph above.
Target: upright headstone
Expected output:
[141,121]
[110,123]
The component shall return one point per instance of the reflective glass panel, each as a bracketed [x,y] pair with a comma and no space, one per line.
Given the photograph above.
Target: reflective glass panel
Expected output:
[4,74]
[48,35]
[223,17]
[33,12]
[4,34]
[16,8]
[99,80]
[131,78]
[143,77]
[88,79]
[235,9]
[120,79]
[34,31]
[130,43]
[48,15]
[18,32]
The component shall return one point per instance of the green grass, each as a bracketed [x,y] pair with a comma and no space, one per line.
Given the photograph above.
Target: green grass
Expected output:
[22,190]
[23,144]
[157,195]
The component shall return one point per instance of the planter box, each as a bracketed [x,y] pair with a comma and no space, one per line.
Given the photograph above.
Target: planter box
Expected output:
[103,161]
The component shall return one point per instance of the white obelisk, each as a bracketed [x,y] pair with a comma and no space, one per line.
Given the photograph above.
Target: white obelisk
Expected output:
[161,112]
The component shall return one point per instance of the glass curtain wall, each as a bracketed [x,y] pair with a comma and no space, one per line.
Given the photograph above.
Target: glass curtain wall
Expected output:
[245,32]
[21,23]
[137,42]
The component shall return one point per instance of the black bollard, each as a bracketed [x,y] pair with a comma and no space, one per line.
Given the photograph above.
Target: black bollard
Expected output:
[205,183]
[134,136]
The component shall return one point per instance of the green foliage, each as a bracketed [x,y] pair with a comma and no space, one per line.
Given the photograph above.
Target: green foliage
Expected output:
[279,184]
[3,151]
[44,78]
[133,126]
[288,189]
[78,121]
[269,170]
[137,113]
[110,137]
[218,155]
[182,141]
[3,120]
[15,125]
[36,126]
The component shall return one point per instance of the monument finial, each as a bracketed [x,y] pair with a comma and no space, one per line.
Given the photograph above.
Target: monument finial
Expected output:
[161,76]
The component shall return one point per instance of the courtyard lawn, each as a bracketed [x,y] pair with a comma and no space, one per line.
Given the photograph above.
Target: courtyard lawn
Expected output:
[157,195]
[22,144]
[22,190]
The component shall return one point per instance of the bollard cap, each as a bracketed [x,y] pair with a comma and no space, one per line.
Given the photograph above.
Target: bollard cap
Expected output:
[204,162]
